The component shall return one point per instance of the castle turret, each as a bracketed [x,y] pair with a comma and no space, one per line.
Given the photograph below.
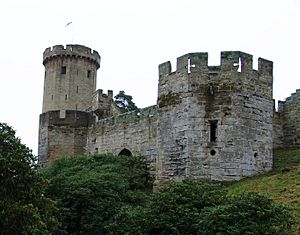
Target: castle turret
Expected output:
[70,77]
[69,86]
[215,122]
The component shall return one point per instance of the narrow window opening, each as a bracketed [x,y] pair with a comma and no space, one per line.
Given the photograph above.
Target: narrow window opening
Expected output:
[63,70]
[89,73]
[51,97]
[213,130]
[77,89]
[66,97]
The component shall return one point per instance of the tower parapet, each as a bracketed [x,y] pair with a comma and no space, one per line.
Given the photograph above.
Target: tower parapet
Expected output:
[71,50]
[230,60]
[193,72]
[70,77]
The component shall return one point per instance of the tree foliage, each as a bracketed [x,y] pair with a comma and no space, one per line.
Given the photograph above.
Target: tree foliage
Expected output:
[124,102]
[191,207]
[91,190]
[23,208]
[176,209]
[246,213]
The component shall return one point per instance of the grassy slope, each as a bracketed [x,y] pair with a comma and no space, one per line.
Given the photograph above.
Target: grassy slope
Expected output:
[282,184]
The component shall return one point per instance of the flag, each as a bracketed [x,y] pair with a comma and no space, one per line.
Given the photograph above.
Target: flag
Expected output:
[68,24]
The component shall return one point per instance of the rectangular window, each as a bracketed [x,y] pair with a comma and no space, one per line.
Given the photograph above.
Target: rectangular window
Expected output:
[66,97]
[89,73]
[63,70]
[213,130]
[77,89]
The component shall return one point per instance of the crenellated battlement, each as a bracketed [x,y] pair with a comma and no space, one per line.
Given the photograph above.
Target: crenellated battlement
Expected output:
[102,103]
[71,50]
[230,61]
[289,101]
[147,113]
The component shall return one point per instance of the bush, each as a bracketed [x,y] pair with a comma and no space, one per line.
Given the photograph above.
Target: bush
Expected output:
[91,190]
[176,209]
[247,213]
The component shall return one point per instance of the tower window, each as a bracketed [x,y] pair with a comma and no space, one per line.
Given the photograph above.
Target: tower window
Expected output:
[213,130]
[63,70]
[89,73]
[66,97]
[77,89]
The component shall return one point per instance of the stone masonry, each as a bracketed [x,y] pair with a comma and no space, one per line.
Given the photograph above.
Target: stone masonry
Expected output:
[287,121]
[210,122]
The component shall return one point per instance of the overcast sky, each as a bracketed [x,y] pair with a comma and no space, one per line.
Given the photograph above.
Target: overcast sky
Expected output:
[133,37]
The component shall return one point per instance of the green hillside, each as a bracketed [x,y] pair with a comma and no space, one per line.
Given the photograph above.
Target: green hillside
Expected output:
[282,184]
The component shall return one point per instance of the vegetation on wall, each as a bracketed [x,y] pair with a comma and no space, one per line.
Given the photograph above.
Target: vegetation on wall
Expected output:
[169,99]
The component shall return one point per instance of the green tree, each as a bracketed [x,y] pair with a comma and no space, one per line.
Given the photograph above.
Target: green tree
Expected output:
[191,207]
[23,208]
[91,190]
[246,213]
[176,209]
[130,219]
[124,102]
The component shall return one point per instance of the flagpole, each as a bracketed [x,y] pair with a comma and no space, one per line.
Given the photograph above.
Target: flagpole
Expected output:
[70,24]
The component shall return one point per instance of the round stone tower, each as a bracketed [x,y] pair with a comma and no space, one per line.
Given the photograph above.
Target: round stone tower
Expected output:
[69,88]
[70,77]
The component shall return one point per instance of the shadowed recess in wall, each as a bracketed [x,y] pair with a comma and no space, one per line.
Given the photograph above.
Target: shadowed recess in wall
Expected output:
[125,152]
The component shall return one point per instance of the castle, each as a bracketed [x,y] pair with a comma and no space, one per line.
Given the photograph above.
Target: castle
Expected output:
[210,122]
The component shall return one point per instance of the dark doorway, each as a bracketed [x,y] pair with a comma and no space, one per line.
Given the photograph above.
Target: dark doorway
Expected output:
[125,152]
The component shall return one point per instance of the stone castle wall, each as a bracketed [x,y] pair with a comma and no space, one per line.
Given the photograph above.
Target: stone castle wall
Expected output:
[196,97]
[175,136]
[133,131]
[210,122]
[288,117]
[62,133]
